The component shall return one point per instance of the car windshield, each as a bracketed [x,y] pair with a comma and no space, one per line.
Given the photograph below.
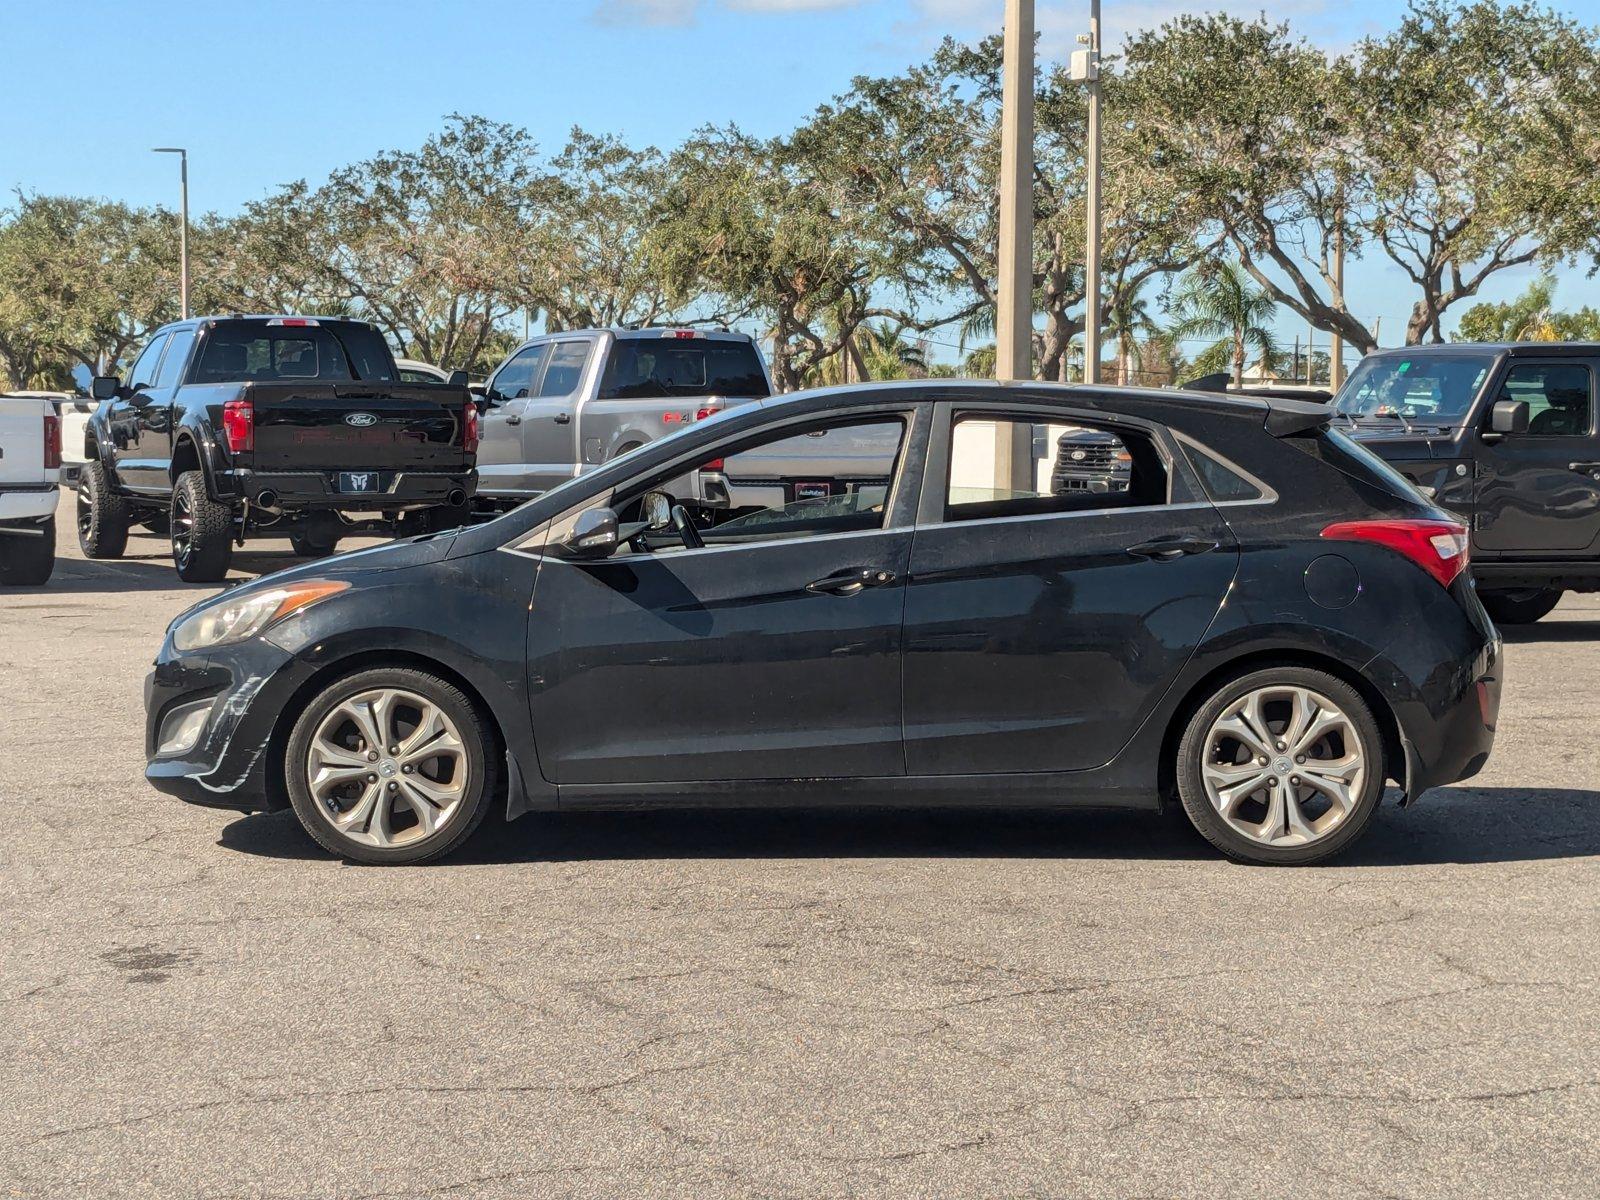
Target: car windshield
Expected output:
[657,368]
[1432,387]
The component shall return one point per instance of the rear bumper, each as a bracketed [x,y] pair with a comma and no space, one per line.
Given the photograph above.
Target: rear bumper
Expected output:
[319,490]
[29,505]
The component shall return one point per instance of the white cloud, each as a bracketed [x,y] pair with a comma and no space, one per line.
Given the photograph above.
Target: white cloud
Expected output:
[646,12]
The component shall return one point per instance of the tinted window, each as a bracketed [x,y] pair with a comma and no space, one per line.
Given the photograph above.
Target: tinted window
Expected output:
[646,368]
[1020,466]
[177,354]
[565,370]
[1221,481]
[515,380]
[1417,386]
[144,370]
[253,351]
[409,375]
[1558,396]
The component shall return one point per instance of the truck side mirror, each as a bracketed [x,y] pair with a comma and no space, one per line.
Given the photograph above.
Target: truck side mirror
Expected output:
[457,379]
[1507,416]
[105,387]
[594,534]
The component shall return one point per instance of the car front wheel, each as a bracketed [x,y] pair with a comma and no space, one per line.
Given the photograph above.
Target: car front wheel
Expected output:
[390,766]
[1283,766]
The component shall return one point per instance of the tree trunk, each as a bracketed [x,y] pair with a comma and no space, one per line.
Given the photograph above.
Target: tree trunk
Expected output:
[1238,362]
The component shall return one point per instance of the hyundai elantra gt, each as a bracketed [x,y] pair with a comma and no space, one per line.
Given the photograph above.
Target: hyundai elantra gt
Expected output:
[1265,625]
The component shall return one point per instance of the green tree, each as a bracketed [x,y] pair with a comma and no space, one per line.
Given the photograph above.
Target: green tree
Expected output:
[1127,320]
[1219,300]
[1531,317]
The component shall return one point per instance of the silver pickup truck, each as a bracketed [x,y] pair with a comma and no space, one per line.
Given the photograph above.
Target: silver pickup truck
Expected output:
[564,403]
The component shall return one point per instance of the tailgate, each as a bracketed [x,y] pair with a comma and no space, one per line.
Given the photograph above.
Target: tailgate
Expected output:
[342,426]
[22,442]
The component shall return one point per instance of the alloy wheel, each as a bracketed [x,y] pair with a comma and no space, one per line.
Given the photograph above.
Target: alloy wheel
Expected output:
[182,527]
[1283,766]
[387,767]
[85,512]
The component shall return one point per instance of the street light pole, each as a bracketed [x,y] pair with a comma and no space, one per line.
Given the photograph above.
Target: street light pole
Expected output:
[1014,302]
[183,230]
[1091,266]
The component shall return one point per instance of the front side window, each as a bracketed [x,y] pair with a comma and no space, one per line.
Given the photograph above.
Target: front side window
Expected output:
[1558,395]
[144,369]
[562,376]
[1006,466]
[514,381]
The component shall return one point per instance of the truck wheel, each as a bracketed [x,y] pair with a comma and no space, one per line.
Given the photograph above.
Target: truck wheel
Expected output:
[1521,607]
[313,544]
[1283,766]
[202,531]
[102,514]
[28,561]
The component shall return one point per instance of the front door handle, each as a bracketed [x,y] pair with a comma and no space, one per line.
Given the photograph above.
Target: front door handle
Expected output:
[563,418]
[513,420]
[1591,469]
[1167,549]
[851,582]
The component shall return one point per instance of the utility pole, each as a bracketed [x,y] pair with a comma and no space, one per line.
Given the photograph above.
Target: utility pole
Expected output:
[183,230]
[1336,344]
[1086,69]
[1014,310]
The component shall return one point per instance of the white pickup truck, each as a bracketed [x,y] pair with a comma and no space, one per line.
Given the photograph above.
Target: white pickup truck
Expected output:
[30,467]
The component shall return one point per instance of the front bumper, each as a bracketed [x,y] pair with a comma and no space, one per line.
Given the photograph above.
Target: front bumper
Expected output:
[394,491]
[247,685]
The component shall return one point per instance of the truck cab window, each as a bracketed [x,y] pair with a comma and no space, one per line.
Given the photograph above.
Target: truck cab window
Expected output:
[1018,466]
[177,355]
[1559,397]
[562,376]
[514,381]
[144,369]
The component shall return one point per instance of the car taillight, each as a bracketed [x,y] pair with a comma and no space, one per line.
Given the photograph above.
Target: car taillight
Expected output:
[1438,547]
[710,410]
[52,442]
[714,465]
[469,428]
[239,425]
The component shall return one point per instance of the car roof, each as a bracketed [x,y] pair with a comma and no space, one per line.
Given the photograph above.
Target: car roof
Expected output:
[647,332]
[1513,349]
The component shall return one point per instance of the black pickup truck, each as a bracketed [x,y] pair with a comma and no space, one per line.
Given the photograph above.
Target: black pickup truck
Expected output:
[271,426]
[1505,436]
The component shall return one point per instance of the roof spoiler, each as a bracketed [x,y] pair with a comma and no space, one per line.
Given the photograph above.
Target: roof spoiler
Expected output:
[1291,418]
[1217,381]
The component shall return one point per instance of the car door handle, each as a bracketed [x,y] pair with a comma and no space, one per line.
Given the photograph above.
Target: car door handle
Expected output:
[563,418]
[513,419]
[851,582]
[1167,549]
[1585,468]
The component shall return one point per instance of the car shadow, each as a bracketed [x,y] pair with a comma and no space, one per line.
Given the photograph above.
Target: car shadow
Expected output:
[150,572]
[1552,631]
[1450,825]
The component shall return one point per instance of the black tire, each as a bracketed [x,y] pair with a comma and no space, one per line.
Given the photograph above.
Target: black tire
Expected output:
[202,531]
[1522,607]
[103,515]
[477,740]
[28,561]
[1204,815]
[311,545]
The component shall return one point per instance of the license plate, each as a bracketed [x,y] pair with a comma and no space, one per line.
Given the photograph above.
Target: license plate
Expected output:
[812,491]
[357,482]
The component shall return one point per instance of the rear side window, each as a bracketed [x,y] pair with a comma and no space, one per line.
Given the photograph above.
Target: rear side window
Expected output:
[1004,466]
[657,368]
[562,376]
[1221,481]
[177,355]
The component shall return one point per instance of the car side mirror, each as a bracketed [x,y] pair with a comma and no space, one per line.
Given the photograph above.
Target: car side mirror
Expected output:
[594,534]
[457,379]
[1507,416]
[105,387]
[655,509]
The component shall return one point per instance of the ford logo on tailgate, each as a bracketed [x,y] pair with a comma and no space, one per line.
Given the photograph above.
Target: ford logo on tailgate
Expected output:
[360,420]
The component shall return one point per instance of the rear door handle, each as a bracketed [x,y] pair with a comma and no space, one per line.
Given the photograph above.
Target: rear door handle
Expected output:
[1167,549]
[851,582]
[1592,469]
[563,418]
[513,420]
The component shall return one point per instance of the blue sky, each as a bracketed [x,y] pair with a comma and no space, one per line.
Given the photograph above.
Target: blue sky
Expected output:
[266,93]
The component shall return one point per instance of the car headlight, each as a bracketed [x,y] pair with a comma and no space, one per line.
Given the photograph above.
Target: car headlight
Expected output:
[235,620]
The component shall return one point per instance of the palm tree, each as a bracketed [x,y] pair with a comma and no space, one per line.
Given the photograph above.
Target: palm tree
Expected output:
[1127,319]
[887,354]
[1221,301]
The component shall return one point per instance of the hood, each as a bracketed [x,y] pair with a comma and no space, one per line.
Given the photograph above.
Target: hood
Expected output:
[1391,440]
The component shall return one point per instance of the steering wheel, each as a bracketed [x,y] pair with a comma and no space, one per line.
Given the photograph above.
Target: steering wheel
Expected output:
[684,524]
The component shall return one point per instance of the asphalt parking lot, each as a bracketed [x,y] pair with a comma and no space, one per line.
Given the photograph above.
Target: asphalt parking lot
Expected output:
[196,1003]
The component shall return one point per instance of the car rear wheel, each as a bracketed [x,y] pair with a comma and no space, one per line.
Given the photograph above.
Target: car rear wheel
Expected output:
[390,766]
[1283,766]
[103,515]
[201,531]
[27,561]
[1523,606]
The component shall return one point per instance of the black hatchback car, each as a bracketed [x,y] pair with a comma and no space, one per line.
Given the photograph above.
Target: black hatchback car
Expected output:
[1265,625]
